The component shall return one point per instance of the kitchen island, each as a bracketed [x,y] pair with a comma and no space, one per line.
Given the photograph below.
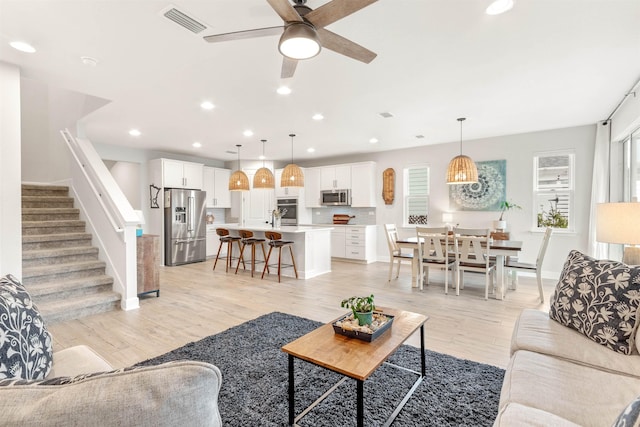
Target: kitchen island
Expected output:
[311,248]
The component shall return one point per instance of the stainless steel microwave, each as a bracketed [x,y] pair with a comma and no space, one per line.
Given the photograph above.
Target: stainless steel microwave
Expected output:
[335,197]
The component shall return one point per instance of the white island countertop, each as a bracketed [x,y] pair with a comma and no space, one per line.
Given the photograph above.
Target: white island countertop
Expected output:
[282,229]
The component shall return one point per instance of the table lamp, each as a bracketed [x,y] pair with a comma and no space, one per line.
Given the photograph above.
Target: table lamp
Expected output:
[620,223]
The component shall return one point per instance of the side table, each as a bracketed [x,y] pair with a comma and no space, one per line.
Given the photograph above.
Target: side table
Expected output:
[148,258]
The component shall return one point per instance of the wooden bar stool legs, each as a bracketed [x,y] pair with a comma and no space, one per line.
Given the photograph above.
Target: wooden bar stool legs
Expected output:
[246,240]
[226,238]
[275,241]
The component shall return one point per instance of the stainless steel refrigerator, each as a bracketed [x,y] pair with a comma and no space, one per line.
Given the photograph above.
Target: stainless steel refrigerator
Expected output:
[184,226]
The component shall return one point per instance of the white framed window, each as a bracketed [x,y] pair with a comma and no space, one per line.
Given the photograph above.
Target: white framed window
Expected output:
[416,195]
[553,189]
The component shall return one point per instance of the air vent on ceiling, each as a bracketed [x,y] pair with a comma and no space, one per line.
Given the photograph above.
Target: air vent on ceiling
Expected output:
[420,136]
[231,152]
[184,20]
[386,114]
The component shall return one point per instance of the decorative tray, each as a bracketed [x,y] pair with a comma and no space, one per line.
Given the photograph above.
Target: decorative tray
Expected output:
[348,326]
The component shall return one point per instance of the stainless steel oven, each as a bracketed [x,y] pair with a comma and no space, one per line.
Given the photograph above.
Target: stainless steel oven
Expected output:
[289,211]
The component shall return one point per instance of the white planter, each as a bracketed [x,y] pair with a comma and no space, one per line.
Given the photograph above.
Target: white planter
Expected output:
[500,225]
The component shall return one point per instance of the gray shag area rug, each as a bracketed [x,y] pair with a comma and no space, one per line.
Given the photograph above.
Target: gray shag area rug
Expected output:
[254,392]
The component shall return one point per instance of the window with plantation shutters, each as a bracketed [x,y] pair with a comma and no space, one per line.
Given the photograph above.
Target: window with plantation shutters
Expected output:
[553,189]
[416,195]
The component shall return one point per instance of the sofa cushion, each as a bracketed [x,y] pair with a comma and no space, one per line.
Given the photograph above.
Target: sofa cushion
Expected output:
[600,299]
[630,416]
[183,393]
[577,393]
[77,360]
[535,331]
[515,414]
[25,344]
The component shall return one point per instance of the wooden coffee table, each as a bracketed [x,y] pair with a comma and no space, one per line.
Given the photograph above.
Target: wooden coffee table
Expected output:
[354,358]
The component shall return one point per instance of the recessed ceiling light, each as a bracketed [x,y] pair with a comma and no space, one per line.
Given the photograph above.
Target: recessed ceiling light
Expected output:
[318,116]
[373,140]
[197,144]
[284,90]
[89,61]
[207,105]
[248,132]
[135,132]
[22,46]
[499,6]
[311,150]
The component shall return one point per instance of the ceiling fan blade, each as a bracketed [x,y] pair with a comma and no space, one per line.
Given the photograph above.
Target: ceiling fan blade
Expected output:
[346,47]
[285,10]
[288,67]
[246,34]
[330,12]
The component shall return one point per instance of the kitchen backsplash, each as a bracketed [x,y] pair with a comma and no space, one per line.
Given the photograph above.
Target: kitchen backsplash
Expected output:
[363,216]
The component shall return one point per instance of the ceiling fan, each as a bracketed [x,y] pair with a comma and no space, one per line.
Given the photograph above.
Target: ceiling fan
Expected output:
[303,33]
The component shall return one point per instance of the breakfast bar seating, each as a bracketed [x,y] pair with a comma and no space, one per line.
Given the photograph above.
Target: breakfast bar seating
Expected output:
[225,237]
[275,241]
[247,239]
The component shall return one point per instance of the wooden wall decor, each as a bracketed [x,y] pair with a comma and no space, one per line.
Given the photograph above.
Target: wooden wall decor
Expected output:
[388,185]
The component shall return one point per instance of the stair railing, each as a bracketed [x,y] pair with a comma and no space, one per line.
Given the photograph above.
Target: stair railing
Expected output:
[108,214]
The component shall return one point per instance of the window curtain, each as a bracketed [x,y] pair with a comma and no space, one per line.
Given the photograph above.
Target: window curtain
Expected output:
[600,185]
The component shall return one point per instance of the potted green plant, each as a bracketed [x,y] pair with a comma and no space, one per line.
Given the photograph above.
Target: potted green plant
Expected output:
[501,224]
[362,308]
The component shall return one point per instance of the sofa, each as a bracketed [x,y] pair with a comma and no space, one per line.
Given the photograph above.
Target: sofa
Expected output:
[562,373]
[77,387]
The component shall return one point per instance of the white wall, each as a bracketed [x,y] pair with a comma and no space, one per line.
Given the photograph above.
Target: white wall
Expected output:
[518,151]
[10,172]
[127,176]
[627,118]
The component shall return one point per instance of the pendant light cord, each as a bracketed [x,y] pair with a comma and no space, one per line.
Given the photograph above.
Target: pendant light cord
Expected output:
[263,141]
[237,145]
[292,135]
[461,119]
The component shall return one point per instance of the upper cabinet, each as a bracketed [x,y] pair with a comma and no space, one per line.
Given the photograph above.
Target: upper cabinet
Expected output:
[363,189]
[287,191]
[178,174]
[216,184]
[335,177]
[312,187]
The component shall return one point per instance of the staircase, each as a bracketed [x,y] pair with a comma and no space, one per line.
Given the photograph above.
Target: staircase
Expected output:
[60,268]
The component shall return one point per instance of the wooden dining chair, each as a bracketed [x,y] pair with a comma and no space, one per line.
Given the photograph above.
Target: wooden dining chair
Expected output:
[472,248]
[435,250]
[395,252]
[536,268]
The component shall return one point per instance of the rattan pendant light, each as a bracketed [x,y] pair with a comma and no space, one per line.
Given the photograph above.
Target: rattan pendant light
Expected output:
[292,175]
[238,180]
[264,177]
[462,170]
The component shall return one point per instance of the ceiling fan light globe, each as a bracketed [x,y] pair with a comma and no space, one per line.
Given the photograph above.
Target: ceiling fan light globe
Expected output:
[299,41]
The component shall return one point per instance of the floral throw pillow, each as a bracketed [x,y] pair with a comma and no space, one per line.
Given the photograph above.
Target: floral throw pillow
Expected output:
[600,299]
[25,344]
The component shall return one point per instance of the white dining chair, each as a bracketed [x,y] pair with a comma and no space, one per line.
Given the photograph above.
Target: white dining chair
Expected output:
[536,268]
[472,254]
[435,250]
[395,252]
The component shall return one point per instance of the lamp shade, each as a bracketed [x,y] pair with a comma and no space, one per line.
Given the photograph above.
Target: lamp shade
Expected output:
[264,179]
[462,170]
[238,181]
[618,223]
[292,176]
[299,41]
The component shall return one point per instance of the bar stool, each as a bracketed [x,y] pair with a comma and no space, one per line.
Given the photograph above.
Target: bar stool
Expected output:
[275,241]
[248,239]
[228,239]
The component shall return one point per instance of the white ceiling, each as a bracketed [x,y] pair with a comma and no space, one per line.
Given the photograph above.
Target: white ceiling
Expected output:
[545,64]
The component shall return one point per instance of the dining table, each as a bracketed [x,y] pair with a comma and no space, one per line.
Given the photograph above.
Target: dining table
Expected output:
[501,249]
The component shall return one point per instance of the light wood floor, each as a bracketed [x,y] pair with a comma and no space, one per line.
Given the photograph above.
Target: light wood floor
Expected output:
[196,302]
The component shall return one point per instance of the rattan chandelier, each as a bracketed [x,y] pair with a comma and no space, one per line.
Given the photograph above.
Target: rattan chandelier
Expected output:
[238,180]
[264,177]
[292,175]
[462,169]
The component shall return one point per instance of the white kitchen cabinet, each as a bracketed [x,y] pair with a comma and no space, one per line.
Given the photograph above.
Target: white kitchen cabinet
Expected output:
[312,187]
[178,174]
[287,191]
[213,241]
[363,187]
[335,177]
[216,184]
[357,243]
[337,243]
